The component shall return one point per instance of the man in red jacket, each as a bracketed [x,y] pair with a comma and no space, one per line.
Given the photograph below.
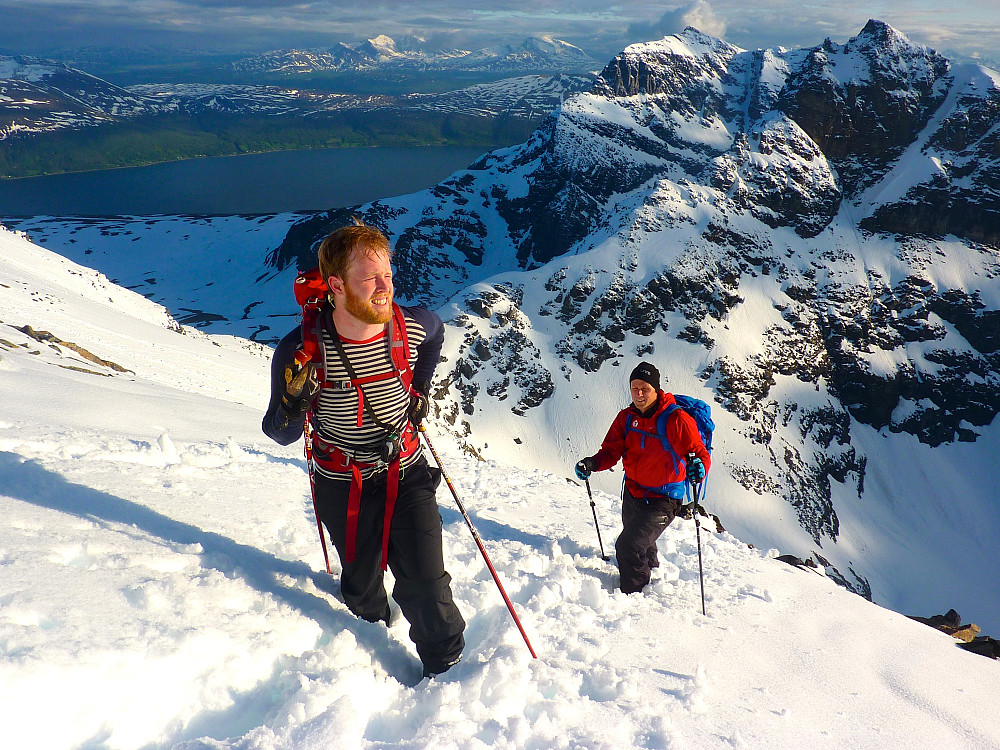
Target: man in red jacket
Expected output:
[655,473]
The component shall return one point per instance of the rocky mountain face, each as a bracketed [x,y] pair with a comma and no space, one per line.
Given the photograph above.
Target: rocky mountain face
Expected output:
[807,237]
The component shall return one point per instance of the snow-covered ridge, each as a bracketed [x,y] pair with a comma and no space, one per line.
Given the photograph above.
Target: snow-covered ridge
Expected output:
[163,587]
[38,96]
[700,219]
[46,97]
[382,53]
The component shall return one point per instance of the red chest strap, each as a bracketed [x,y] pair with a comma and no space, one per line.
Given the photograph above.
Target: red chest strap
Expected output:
[398,348]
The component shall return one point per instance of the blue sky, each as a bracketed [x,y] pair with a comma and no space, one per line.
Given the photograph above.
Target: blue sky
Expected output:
[601,27]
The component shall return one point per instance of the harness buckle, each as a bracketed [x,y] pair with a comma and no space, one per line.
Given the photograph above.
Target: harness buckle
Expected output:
[389,448]
[340,385]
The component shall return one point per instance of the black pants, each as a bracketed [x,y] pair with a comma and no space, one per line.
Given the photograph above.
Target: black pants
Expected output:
[423,587]
[642,523]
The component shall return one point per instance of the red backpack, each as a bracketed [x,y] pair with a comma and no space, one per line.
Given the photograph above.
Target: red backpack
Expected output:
[311,292]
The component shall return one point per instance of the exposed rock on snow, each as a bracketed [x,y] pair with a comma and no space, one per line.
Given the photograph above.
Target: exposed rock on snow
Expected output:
[756,222]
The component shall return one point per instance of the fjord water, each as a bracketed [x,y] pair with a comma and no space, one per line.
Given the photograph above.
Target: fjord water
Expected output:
[306,180]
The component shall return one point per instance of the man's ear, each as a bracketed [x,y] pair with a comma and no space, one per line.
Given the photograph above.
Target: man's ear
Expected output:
[336,284]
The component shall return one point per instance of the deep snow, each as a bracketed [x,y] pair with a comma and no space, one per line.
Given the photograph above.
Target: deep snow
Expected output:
[161,584]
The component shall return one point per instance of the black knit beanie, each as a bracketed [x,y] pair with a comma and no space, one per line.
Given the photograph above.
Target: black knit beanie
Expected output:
[647,374]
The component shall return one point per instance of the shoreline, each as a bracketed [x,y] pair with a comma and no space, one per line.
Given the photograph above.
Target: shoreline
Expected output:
[485,146]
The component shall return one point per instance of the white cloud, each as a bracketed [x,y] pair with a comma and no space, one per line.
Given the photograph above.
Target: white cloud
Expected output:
[701,16]
[698,14]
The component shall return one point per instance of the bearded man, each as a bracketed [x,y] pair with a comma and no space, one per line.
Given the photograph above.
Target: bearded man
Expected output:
[373,489]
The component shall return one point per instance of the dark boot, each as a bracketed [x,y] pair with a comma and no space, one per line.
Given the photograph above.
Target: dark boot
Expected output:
[430,672]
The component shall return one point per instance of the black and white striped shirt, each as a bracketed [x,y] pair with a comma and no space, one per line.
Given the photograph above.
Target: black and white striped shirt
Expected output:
[336,411]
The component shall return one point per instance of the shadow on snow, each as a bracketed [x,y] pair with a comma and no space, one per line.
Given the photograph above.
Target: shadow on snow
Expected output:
[28,481]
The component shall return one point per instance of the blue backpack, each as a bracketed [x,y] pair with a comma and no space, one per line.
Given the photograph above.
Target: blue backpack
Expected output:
[701,412]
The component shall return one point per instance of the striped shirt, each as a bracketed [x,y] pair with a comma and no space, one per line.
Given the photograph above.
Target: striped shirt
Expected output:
[337,411]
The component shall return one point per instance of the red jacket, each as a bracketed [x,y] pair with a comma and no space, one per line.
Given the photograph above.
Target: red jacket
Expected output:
[648,466]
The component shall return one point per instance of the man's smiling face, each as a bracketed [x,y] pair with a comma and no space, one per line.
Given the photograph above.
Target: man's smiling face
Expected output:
[643,394]
[368,287]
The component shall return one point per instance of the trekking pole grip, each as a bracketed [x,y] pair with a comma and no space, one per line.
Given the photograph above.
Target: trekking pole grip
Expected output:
[696,486]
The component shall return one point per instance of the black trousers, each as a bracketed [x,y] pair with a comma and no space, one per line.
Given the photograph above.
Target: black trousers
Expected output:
[643,521]
[423,586]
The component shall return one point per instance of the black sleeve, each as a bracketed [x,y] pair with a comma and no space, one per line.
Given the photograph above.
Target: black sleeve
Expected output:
[278,424]
[429,350]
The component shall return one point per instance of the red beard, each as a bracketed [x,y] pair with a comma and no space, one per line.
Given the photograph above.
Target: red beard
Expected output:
[364,310]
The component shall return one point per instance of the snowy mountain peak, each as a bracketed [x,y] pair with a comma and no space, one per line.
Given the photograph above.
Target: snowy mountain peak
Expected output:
[549,45]
[381,47]
[880,55]
[668,65]
[690,43]
[36,70]
[23,67]
[536,54]
[881,35]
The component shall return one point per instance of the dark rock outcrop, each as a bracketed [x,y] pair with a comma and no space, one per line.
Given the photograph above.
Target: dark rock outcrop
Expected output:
[863,118]
[950,623]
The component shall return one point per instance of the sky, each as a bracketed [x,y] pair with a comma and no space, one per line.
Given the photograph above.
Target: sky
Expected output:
[600,27]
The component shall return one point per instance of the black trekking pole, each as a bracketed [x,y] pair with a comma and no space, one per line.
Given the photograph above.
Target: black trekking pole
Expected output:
[696,489]
[479,542]
[593,508]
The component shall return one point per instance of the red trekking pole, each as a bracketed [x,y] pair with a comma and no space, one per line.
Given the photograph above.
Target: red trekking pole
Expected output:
[479,542]
[307,434]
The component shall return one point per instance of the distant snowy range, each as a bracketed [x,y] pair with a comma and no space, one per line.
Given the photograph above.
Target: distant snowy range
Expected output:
[807,239]
[40,96]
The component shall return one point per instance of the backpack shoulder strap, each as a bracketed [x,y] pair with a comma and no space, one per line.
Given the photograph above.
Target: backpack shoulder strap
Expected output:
[399,347]
[661,428]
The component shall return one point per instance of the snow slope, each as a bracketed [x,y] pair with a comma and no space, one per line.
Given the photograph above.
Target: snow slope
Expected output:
[681,216]
[201,266]
[161,584]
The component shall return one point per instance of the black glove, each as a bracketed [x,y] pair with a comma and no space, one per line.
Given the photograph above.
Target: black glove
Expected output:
[584,468]
[301,387]
[419,403]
